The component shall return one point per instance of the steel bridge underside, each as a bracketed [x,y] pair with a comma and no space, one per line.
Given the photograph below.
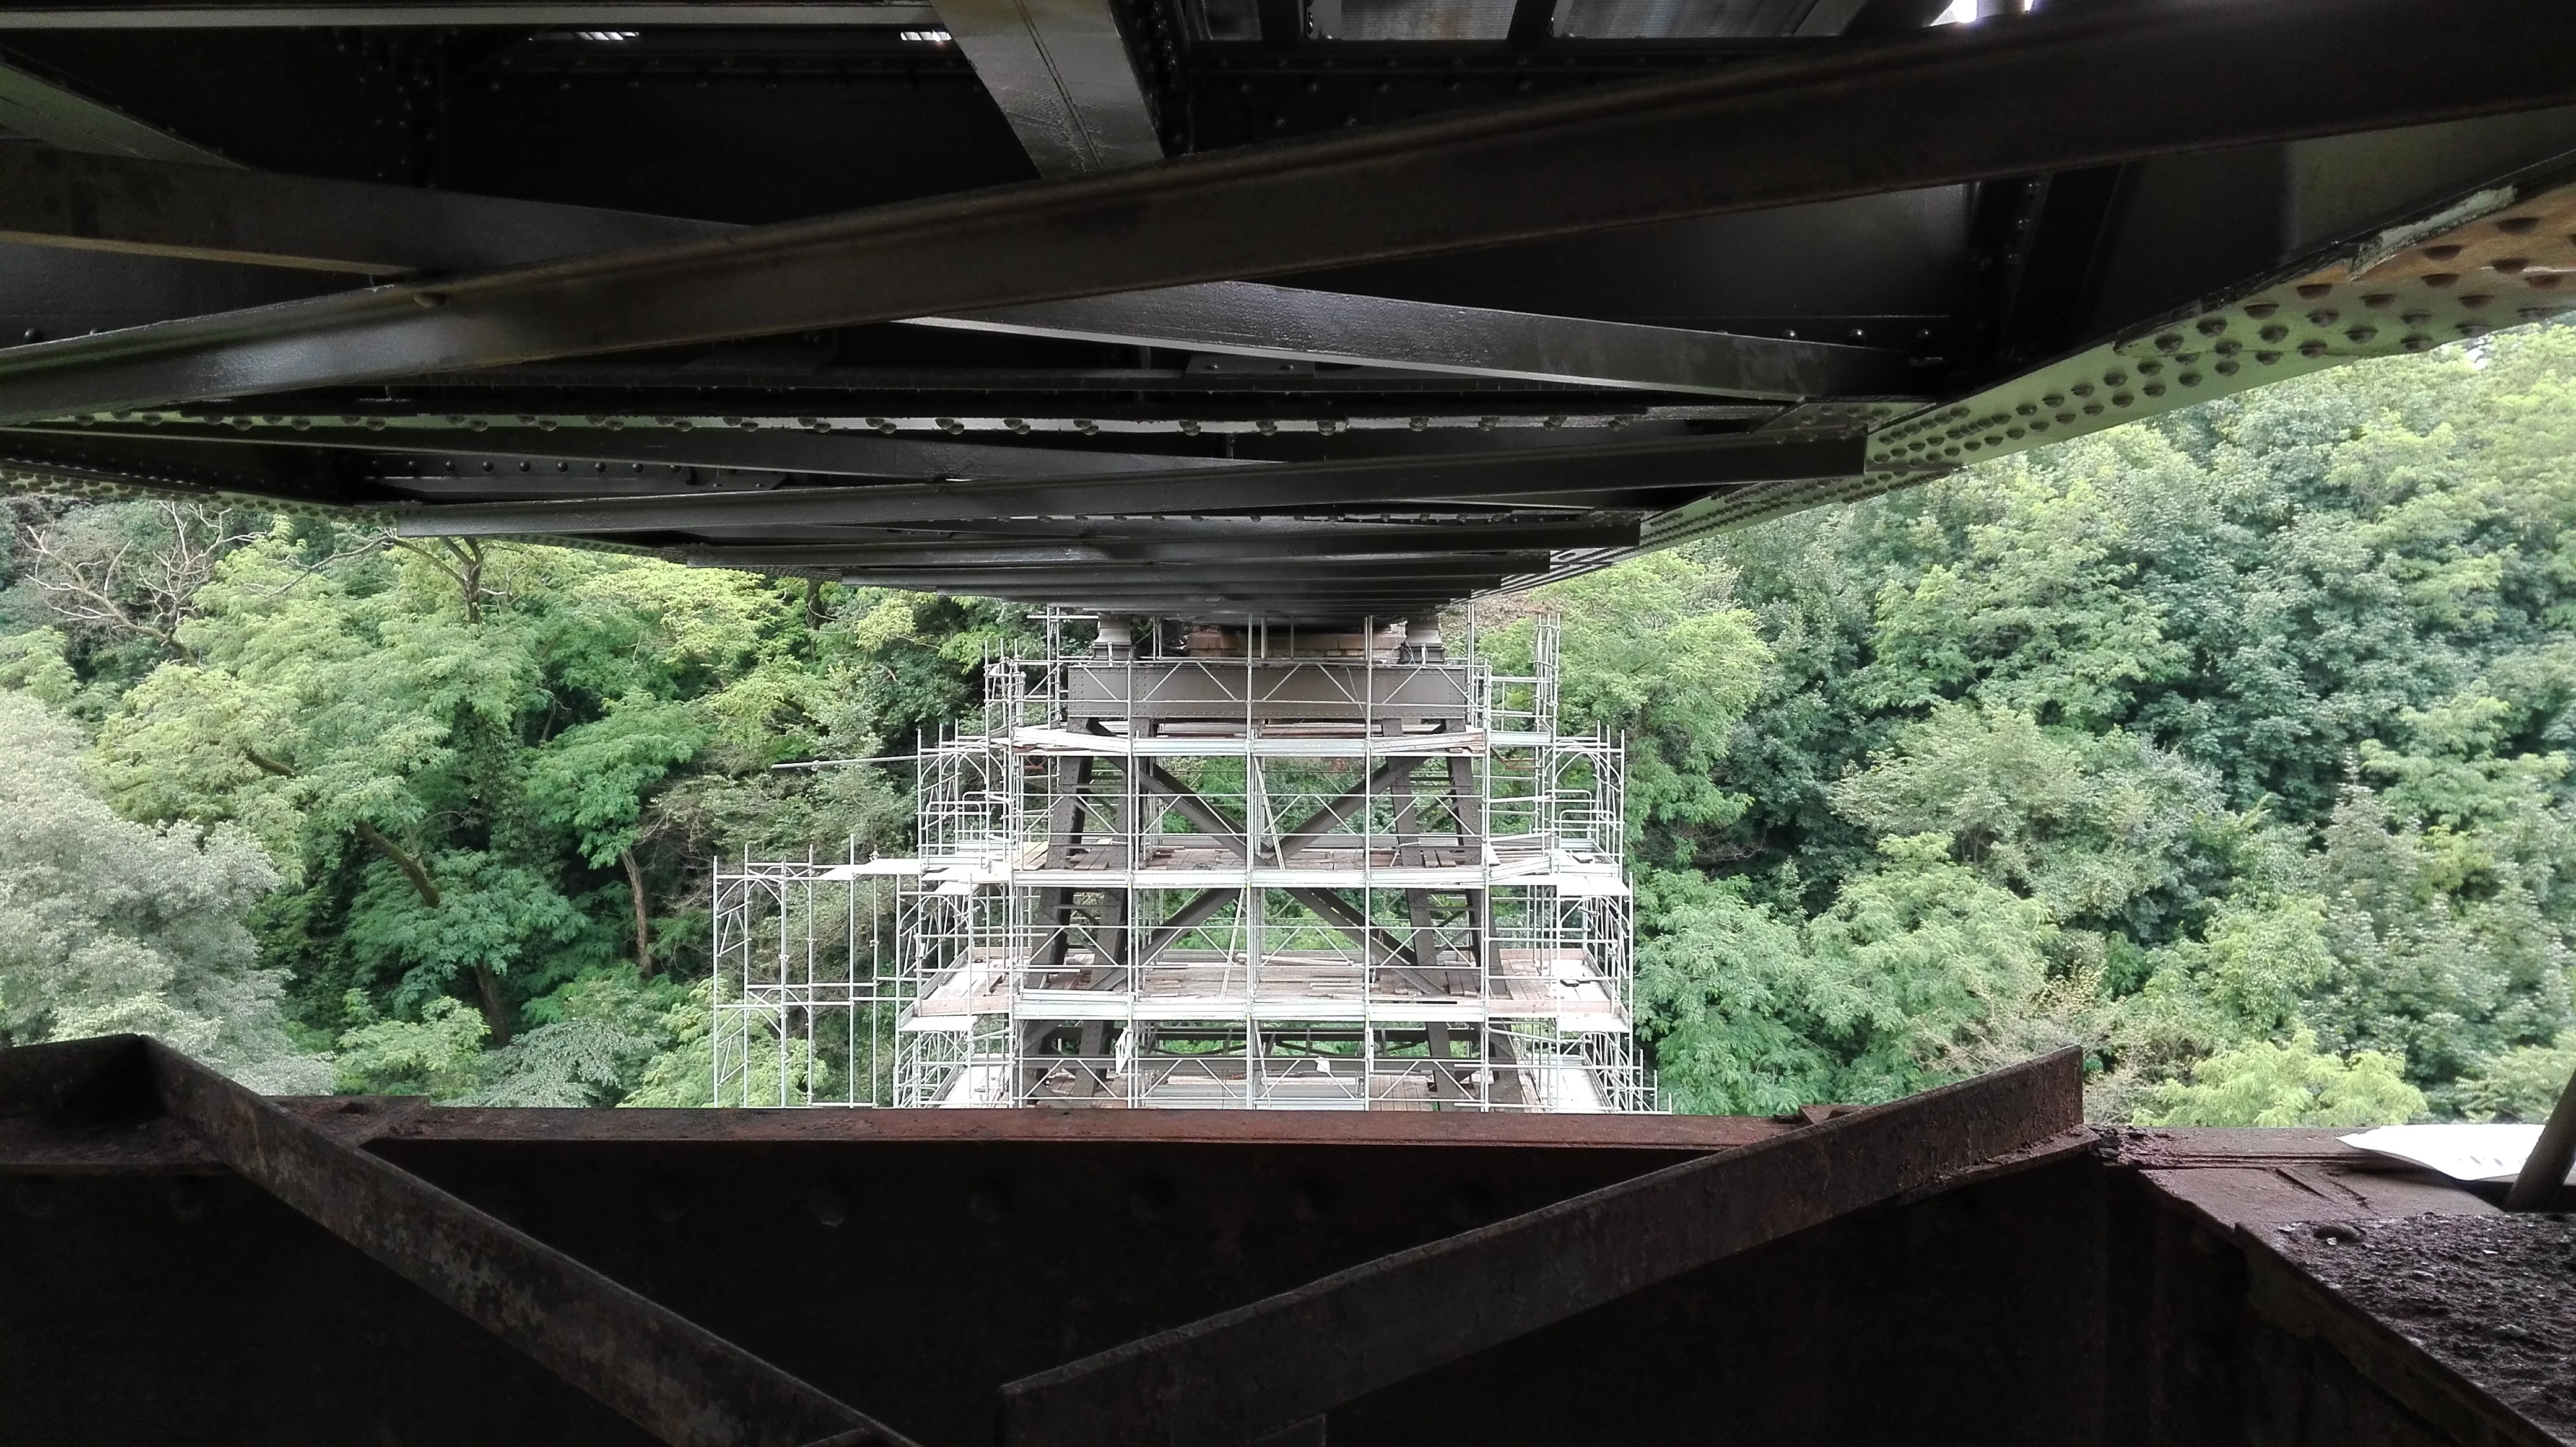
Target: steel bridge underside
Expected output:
[1216,307]
[181,1260]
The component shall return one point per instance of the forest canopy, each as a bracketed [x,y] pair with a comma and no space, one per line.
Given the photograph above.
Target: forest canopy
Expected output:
[2231,747]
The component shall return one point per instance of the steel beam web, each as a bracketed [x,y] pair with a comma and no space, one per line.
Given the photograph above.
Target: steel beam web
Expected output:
[1234,1377]
[2054,91]
[669,1376]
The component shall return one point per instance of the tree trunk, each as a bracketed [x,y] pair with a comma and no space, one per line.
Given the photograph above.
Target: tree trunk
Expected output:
[643,919]
[496,1020]
[487,986]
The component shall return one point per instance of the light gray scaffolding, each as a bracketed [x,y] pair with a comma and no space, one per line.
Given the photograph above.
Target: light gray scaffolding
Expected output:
[1235,867]
[1250,868]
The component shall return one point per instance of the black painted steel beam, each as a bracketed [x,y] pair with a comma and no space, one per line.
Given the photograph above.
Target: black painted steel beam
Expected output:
[208,214]
[766,449]
[2049,92]
[421,14]
[40,109]
[1567,472]
[1235,1377]
[1249,319]
[1445,577]
[1390,543]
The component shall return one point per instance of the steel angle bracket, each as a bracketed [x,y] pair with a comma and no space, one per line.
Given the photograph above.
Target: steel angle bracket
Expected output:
[1276,1367]
[669,1376]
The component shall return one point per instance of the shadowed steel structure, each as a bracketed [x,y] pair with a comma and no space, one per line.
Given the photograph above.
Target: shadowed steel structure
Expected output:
[1140,305]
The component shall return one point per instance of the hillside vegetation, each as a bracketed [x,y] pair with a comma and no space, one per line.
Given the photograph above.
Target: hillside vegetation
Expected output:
[2232,747]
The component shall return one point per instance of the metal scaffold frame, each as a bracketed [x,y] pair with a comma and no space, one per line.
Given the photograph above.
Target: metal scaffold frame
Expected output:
[1238,867]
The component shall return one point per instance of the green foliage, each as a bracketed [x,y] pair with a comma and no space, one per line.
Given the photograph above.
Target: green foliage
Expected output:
[1655,650]
[2233,747]
[2522,1084]
[2261,1083]
[109,926]
[2256,716]
[1921,971]
[475,767]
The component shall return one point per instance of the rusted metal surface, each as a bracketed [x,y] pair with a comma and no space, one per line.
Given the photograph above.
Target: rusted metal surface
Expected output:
[53,1142]
[682,1383]
[2491,1298]
[1270,1365]
[675,1379]
[2335,1370]
[1888,1275]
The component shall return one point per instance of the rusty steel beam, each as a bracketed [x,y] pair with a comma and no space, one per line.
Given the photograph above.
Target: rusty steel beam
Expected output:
[2059,90]
[1276,1364]
[669,1376]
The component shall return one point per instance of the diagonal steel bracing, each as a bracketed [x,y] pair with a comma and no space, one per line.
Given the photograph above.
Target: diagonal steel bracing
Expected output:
[675,1379]
[769,449]
[202,213]
[36,107]
[1262,1369]
[2115,83]
[1696,463]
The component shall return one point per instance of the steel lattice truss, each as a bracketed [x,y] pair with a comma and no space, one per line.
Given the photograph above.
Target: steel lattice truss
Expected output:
[1299,308]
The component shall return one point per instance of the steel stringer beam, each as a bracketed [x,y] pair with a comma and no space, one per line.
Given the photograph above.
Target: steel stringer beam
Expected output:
[669,1376]
[36,107]
[1696,463]
[1058,70]
[1235,1377]
[100,203]
[1217,547]
[766,449]
[1249,319]
[2058,90]
[199,212]
[1430,576]
[428,14]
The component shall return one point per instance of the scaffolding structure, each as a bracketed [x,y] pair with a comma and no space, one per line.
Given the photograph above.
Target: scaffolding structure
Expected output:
[1222,867]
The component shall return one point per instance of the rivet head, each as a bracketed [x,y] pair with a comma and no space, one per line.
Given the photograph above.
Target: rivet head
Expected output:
[2518,225]
[2312,349]
[2442,280]
[2445,252]
[2262,309]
